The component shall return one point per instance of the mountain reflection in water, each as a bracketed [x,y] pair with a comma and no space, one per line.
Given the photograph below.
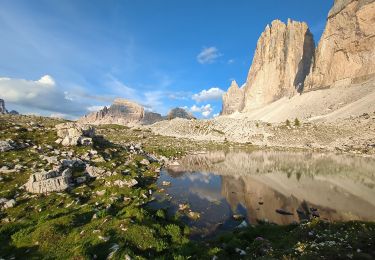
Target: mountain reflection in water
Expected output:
[255,184]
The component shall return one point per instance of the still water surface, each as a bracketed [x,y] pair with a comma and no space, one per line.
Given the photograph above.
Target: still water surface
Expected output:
[255,184]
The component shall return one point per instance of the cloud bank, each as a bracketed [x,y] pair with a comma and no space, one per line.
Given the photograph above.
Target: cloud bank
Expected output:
[210,94]
[41,95]
[205,110]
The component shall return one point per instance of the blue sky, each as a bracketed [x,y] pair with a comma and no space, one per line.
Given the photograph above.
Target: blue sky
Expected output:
[67,57]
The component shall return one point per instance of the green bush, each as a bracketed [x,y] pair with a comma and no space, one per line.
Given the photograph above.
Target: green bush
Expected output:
[297,122]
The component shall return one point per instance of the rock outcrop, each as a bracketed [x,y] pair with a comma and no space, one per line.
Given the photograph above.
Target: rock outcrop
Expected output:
[6,146]
[281,62]
[2,107]
[233,100]
[346,51]
[71,134]
[44,182]
[179,112]
[150,118]
[122,112]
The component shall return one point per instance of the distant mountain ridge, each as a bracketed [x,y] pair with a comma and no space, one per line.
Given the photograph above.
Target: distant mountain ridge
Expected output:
[129,113]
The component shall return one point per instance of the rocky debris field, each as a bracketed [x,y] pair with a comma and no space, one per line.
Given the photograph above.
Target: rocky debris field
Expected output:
[352,135]
[88,200]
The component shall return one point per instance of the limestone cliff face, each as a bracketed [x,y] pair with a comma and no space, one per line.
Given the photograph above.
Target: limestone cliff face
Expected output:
[122,112]
[233,100]
[281,62]
[346,51]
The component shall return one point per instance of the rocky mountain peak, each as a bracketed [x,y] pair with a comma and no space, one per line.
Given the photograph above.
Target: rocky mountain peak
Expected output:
[2,107]
[233,86]
[281,62]
[233,100]
[179,112]
[122,111]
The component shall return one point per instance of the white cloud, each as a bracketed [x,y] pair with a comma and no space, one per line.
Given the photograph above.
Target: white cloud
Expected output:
[41,96]
[208,55]
[59,115]
[231,61]
[94,108]
[205,110]
[47,80]
[216,115]
[210,94]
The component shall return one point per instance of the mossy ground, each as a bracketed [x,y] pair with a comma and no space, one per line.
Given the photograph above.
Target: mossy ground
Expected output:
[85,223]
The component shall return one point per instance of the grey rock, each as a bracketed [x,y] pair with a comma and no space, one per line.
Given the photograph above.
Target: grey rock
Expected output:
[73,134]
[94,171]
[6,146]
[122,183]
[9,204]
[145,162]
[44,182]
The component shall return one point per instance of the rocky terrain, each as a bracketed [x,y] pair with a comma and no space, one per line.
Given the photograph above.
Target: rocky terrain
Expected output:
[354,135]
[62,198]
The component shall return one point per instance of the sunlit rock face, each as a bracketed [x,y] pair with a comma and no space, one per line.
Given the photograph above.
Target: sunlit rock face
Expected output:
[233,99]
[346,51]
[341,187]
[281,62]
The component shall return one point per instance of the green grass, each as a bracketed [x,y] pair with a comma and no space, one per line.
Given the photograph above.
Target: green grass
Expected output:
[79,224]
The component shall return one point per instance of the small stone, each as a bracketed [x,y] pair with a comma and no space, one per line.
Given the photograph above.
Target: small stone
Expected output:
[10,204]
[100,193]
[166,183]
[240,251]
[243,224]
[183,206]
[105,239]
[238,217]
[145,162]
[81,179]
[194,215]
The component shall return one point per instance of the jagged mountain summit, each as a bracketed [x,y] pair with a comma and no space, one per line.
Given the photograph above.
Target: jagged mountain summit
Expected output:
[286,62]
[2,107]
[233,100]
[179,112]
[3,110]
[122,112]
[281,62]
[129,113]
